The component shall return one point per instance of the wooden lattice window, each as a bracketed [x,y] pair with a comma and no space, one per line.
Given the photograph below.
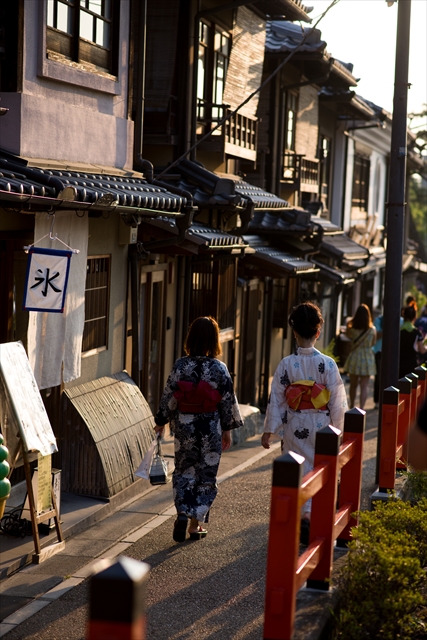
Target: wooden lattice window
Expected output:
[97,294]
[280,305]
[214,291]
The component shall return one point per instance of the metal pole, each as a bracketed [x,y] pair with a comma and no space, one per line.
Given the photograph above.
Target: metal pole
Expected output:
[395,211]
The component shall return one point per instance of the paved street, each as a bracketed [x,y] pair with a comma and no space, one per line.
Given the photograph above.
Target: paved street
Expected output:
[213,588]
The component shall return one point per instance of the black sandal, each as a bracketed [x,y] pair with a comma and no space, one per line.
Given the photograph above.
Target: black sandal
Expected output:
[180,528]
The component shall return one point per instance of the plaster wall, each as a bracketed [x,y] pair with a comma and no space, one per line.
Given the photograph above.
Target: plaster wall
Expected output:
[103,236]
[66,113]
[307,126]
[338,178]
[348,185]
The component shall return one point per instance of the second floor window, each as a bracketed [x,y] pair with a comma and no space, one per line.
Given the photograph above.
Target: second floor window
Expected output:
[289,129]
[360,192]
[325,170]
[83,31]
[214,53]
[290,121]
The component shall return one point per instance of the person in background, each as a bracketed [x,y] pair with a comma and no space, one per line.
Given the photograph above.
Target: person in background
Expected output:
[377,348]
[421,322]
[201,407]
[411,342]
[417,442]
[360,363]
[307,393]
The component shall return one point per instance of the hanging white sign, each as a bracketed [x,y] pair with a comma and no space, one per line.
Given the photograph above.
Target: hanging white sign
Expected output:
[46,280]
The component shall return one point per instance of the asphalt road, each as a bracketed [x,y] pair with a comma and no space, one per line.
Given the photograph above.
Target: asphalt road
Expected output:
[208,589]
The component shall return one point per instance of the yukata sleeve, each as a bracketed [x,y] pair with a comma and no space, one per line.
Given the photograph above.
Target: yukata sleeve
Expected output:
[228,407]
[168,403]
[338,401]
[277,408]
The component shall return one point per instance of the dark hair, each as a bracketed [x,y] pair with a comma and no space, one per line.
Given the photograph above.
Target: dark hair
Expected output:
[409,313]
[306,319]
[362,319]
[203,338]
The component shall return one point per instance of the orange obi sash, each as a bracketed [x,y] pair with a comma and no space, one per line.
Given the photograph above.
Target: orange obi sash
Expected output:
[197,398]
[307,394]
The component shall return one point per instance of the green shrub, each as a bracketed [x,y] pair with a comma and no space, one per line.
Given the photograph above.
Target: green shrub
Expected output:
[416,482]
[383,583]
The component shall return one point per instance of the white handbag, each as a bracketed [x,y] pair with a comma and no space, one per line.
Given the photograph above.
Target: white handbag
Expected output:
[143,470]
[159,467]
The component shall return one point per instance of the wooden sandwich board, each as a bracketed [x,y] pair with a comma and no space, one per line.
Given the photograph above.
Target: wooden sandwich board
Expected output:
[27,431]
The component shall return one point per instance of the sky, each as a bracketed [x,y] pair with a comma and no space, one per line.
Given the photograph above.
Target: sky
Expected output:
[363,32]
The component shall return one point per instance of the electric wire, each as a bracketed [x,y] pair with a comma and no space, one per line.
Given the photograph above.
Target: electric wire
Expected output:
[246,100]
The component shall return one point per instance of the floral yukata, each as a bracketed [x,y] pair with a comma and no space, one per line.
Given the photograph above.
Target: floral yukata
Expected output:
[298,428]
[198,436]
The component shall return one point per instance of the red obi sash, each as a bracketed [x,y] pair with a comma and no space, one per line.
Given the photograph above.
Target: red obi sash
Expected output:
[307,394]
[197,398]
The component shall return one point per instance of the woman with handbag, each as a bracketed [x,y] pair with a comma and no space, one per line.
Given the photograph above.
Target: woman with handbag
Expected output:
[200,405]
[360,363]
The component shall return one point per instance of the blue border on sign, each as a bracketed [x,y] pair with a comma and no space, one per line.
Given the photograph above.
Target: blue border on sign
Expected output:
[49,252]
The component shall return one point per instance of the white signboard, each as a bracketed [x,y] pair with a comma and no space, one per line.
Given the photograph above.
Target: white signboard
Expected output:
[47,279]
[23,413]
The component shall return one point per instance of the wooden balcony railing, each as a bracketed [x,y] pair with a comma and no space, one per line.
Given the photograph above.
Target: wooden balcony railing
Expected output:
[299,173]
[238,135]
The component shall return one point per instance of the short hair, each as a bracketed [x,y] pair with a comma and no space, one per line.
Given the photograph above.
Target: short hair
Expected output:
[306,319]
[409,313]
[362,319]
[203,338]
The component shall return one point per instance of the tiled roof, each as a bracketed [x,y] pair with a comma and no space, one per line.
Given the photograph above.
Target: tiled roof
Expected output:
[285,37]
[291,219]
[291,9]
[349,104]
[211,190]
[204,237]
[108,191]
[276,261]
[333,274]
[344,249]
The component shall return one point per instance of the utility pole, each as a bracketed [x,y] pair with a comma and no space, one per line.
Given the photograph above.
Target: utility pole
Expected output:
[395,210]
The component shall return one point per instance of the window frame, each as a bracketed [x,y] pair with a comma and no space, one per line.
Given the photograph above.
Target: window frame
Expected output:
[211,80]
[360,183]
[97,349]
[71,72]
[218,299]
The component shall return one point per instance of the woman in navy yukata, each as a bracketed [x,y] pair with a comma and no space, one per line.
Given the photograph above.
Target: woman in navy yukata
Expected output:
[200,405]
[307,393]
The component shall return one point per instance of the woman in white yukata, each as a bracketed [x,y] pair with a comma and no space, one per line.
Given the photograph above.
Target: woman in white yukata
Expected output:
[307,393]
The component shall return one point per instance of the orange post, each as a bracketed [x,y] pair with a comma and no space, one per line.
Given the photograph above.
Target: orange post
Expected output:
[323,506]
[414,396]
[422,374]
[407,399]
[351,473]
[389,424]
[283,546]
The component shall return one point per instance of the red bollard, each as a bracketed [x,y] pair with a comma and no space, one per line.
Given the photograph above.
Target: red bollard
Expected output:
[422,375]
[324,503]
[351,473]
[389,423]
[414,397]
[283,545]
[407,397]
[117,601]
